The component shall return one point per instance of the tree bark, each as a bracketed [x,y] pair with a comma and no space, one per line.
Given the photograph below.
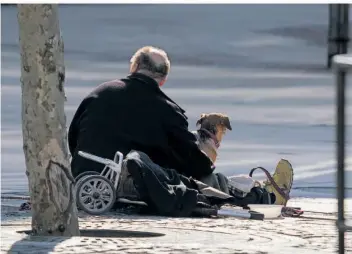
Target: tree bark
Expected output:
[54,210]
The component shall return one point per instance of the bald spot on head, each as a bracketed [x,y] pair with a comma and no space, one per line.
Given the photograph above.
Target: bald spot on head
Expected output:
[157,57]
[151,61]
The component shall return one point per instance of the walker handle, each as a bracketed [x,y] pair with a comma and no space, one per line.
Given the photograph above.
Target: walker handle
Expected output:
[96,158]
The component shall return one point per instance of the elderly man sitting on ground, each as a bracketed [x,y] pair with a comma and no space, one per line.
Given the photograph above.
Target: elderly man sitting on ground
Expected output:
[134,114]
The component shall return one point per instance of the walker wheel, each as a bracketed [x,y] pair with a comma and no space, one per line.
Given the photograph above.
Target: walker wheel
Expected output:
[95,194]
[83,175]
[87,173]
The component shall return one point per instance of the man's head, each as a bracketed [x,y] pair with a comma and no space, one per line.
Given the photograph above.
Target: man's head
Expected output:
[152,62]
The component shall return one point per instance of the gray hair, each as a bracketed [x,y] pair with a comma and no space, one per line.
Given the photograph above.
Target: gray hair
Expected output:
[151,61]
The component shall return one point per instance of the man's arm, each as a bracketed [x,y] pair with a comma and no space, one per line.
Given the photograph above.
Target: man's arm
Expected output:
[188,156]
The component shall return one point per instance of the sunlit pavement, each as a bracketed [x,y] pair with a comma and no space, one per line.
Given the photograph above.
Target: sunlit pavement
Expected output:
[314,234]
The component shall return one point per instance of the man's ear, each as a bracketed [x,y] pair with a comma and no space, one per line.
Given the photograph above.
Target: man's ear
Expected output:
[200,120]
[162,82]
[226,122]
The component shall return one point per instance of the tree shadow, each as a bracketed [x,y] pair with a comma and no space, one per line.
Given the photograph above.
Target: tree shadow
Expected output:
[47,244]
[91,230]
[35,244]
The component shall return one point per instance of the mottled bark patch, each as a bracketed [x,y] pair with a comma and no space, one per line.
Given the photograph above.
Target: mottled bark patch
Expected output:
[39,83]
[46,106]
[61,82]
[58,186]
[47,56]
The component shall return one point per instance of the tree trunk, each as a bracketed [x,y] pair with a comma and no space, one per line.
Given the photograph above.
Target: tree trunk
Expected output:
[54,210]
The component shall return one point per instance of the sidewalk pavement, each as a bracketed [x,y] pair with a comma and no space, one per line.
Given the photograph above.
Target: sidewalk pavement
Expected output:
[315,233]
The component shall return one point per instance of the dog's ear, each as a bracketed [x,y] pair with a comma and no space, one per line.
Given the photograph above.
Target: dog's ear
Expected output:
[200,120]
[226,122]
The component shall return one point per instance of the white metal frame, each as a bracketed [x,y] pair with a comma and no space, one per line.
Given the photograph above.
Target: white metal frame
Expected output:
[112,169]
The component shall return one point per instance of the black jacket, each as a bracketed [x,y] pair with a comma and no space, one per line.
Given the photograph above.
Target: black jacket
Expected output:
[134,114]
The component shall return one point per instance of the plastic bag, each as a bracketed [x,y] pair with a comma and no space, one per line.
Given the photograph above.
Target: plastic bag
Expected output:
[241,185]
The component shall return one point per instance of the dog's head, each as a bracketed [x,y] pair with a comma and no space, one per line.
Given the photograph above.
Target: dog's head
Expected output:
[216,123]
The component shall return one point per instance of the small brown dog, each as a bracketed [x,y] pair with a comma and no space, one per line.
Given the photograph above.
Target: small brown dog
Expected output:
[212,128]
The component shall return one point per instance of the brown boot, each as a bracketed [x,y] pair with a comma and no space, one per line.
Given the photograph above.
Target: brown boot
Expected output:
[283,177]
[280,183]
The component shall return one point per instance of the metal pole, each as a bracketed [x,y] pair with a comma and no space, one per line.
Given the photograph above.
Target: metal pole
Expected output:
[343,35]
[341,39]
[331,35]
[338,36]
[340,132]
